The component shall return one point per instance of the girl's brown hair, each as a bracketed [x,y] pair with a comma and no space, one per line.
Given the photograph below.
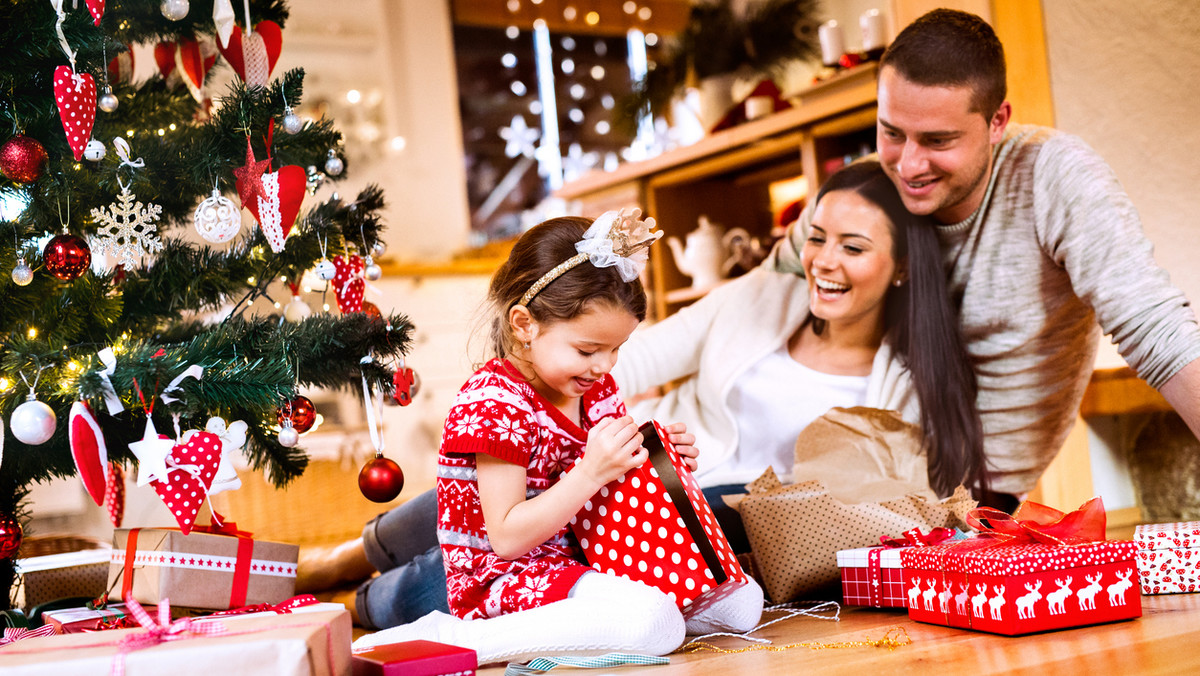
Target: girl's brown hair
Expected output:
[579,289]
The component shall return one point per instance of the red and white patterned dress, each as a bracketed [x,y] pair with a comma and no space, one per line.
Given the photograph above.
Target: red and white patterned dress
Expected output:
[497,412]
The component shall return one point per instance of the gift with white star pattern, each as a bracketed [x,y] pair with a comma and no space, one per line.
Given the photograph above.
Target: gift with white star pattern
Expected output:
[203,570]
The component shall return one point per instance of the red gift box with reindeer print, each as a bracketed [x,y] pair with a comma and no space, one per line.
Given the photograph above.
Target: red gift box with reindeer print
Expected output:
[1025,576]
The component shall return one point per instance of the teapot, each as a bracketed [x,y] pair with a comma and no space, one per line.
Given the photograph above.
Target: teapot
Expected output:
[710,253]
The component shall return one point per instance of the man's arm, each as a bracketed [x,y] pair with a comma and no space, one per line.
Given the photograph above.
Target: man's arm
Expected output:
[1183,391]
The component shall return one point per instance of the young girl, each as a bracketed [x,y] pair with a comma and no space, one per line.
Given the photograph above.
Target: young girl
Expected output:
[565,301]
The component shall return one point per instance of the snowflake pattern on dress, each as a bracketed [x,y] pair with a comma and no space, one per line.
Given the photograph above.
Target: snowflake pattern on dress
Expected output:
[127,228]
[497,412]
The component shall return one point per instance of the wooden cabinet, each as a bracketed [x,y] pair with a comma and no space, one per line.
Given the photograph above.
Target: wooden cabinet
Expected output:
[727,175]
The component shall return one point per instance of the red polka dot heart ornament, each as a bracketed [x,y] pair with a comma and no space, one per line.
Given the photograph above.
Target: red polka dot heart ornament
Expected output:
[348,284]
[191,467]
[75,94]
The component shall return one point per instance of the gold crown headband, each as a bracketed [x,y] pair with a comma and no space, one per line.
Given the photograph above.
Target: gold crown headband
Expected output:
[615,239]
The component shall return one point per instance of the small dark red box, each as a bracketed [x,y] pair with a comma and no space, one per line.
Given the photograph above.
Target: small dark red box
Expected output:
[415,658]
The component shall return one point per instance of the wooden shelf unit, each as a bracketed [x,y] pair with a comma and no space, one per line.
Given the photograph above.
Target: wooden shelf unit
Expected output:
[726,175]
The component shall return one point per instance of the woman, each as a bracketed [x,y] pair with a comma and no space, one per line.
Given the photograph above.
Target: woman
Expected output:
[762,356]
[869,324]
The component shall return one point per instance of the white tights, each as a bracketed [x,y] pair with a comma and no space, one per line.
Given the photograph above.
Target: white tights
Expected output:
[603,614]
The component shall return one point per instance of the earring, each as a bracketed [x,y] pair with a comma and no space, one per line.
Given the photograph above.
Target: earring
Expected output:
[527,345]
[898,282]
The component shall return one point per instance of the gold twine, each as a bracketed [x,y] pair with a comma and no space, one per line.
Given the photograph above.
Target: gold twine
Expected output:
[893,638]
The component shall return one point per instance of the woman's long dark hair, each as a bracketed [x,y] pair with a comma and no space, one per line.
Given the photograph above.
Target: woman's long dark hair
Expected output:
[922,328]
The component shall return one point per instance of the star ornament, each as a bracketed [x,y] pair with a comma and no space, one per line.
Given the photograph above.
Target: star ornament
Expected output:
[249,177]
[152,452]
[519,138]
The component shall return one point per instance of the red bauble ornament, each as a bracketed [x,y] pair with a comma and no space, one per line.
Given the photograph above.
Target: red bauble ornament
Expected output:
[22,159]
[381,479]
[302,413]
[67,256]
[371,310]
[11,534]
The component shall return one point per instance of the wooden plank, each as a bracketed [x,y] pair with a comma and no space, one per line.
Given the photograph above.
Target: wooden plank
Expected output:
[1119,391]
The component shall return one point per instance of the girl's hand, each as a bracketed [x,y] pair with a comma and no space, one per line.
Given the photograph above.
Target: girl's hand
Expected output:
[679,437]
[614,447]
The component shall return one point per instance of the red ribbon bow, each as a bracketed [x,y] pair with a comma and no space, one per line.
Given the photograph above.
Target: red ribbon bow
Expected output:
[1033,522]
[158,631]
[14,634]
[222,526]
[282,608]
[915,538]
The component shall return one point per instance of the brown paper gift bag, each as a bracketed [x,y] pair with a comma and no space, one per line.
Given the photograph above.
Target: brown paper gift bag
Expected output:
[860,474]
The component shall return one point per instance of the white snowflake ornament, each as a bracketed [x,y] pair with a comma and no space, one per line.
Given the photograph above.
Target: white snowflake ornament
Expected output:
[127,228]
[217,218]
[519,138]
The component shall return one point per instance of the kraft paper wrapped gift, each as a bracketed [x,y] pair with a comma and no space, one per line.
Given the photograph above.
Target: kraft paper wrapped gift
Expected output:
[860,473]
[1168,557]
[1035,571]
[654,526]
[300,644]
[200,570]
[415,658]
[82,573]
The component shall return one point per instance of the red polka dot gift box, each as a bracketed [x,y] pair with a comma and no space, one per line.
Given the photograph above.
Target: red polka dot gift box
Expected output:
[653,525]
[1023,575]
[1168,557]
[202,570]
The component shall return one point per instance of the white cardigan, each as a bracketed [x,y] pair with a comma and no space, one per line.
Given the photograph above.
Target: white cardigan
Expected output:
[713,341]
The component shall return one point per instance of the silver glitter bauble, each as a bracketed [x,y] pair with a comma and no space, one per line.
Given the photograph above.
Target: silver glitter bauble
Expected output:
[33,422]
[217,219]
[315,178]
[378,248]
[291,121]
[95,151]
[288,436]
[22,275]
[371,271]
[174,10]
[334,165]
[107,101]
[325,269]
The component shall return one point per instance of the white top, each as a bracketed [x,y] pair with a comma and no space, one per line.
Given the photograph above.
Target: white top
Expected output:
[772,401]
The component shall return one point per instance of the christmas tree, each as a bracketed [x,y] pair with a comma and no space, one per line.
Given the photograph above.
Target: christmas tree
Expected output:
[99,168]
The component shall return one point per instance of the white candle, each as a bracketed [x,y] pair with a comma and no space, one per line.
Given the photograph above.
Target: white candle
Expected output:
[833,44]
[874,32]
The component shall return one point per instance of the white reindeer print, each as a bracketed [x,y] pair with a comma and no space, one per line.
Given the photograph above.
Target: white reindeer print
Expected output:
[978,600]
[960,599]
[1025,609]
[1087,595]
[944,599]
[1058,598]
[928,594]
[997,602]
[1116,590]
[913,592]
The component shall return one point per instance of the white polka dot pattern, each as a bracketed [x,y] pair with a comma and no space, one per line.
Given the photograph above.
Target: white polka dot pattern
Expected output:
[640,520]
[1168,557]
[190,470]
[75,95]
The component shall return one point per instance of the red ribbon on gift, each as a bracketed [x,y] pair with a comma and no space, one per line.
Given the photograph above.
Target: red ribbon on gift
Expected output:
[282,608]
[221,526]
[915,538]
[14,634]
[158,631]
[1034,522]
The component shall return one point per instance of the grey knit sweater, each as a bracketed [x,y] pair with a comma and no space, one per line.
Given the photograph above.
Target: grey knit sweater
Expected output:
[1055,249]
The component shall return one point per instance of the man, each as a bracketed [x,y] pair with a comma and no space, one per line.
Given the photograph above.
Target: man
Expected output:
[1039,239]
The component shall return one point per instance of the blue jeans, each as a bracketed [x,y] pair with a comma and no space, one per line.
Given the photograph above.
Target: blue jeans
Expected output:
[402,544]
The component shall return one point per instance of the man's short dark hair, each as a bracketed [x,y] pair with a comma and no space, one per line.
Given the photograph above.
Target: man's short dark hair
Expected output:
[949,48]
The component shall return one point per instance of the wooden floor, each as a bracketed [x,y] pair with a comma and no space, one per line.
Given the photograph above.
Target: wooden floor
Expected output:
[1165,640]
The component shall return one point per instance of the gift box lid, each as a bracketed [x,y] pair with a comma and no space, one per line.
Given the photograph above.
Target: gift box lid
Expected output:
[415,658]
[889,557]
[986,556]
[1179,535]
